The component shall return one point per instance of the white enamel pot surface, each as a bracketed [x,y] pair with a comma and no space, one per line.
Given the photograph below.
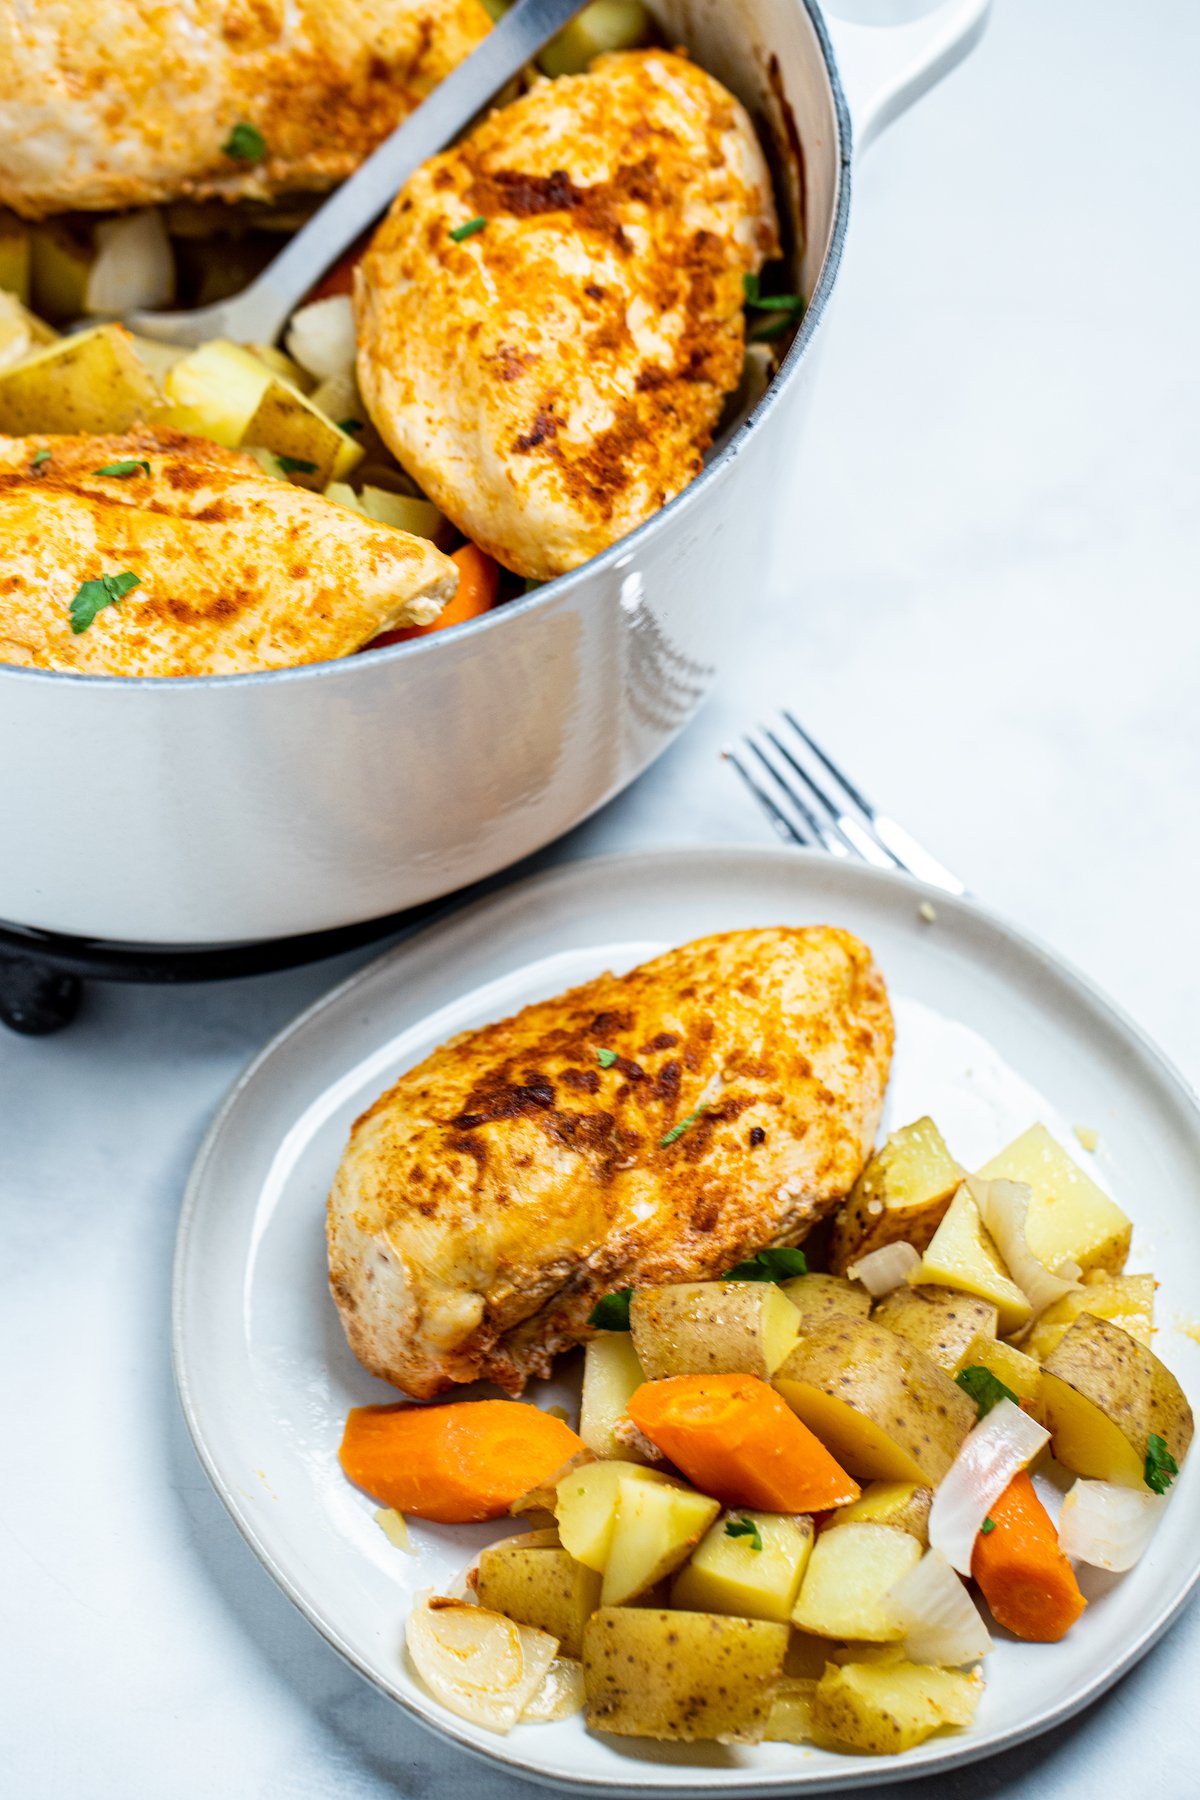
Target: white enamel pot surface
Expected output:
[233,809]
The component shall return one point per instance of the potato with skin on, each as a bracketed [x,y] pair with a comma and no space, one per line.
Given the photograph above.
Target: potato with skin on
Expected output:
[962,1256]
[1020,1374]
[657,1527]
[92,383]
[586,1502]
[712,1327]
[540,1585]
[877,1403]
[1103,1396]
[611,1373]
[1071,1218]
[681,1676]
[901,1196]
[727,1574]
[903,1504]
[851,1572]
[820,1299]
[1124,1300]
[886,1709]
[937,1320]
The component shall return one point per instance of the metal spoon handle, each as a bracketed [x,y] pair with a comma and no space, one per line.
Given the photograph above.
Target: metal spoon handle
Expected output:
[257,314]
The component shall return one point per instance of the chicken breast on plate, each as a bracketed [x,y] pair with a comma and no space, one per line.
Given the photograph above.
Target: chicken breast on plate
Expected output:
[235,571]
[656,1126]
[552,374]
[119,103]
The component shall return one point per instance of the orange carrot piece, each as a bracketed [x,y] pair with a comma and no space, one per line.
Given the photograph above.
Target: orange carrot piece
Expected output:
[738,1441]
[454,1463]
[478,585]
[1024,1576]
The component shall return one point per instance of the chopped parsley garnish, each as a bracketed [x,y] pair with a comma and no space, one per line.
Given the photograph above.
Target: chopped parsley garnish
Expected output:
[350,425]
[985,1389]
[1161,1467]
[738,1528]
[988,1526]
[245,143]
[606,1058]
[94,596]
[612,1313]
[790,307]
[770,1265]
[296,465]
[677,1131]
[122,470]
[460,232]
[41,457]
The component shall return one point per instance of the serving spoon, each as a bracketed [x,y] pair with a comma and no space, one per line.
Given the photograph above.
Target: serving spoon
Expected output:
[259,312]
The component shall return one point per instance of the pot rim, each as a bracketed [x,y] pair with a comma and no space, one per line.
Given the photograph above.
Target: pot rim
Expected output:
[607,561]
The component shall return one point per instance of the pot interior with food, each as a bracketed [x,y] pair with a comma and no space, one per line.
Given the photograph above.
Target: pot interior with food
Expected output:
[537,349]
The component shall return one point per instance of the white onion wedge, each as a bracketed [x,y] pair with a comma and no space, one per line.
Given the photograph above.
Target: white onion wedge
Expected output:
[882,1270]
[134,266]
[942,1624]
[321,337]
[560,1695]
[477,1663]
[1004,1208]
[1108,1526]
[999,1447]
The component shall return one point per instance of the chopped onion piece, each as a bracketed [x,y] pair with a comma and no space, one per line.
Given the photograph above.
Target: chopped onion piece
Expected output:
[1004,1207]
[134,266]
[560,1694]
[882,1270]
[394,1527]
[477,1663]
[321,337]
[941,1622]
[1108,1526]
[999,1447]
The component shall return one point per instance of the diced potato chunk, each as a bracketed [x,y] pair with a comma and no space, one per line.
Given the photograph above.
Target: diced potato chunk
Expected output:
[214,392]
[1102,1396]
[94,382]
[790,1720]
[820,1298]
[602,26]
[903,1504]
[886,1709]
[961,1255]
[585,1506]
[657,1527]
[289,424]
[611,1372]
[850,1574]
[1071,1218]
[729,1575]
[900,1197]
[712,1327]
[541,1586]
[937,1320]
[1124,1300]
[1019,1373]
[420,518]
[61,261]
[15,259]
[681,1675]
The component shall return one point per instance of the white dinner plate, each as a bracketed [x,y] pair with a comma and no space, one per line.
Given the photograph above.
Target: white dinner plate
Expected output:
[992,1033]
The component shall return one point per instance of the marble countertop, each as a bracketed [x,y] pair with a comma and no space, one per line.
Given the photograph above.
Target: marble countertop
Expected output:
[1002,540]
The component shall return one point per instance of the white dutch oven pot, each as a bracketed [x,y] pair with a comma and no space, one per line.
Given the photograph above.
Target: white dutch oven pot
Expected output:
[241,808]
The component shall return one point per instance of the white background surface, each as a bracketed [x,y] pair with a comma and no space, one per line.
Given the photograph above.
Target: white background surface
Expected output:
[1000,639]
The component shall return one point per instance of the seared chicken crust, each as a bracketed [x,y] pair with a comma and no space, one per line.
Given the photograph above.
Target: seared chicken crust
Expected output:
[496,1191]
[555,377]
[118,103]
[237,571]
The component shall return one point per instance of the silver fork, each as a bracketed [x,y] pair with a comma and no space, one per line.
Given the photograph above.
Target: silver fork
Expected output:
[825,810]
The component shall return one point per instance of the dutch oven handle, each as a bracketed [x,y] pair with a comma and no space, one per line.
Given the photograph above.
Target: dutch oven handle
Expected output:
[884,68]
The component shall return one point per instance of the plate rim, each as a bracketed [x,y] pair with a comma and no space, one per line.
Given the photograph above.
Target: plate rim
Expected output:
[743,1784]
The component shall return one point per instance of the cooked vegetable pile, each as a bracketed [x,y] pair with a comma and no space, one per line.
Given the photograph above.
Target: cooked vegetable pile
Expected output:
[793,1494]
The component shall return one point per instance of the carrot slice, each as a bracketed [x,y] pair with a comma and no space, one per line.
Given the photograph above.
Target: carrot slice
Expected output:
[1025,1578]
[738,1441]
[478,585]
[454,1463]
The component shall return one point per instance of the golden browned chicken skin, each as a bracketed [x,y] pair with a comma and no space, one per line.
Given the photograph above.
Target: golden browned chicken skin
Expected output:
[119,103]
[488,1199]
[554,378]
[236,571]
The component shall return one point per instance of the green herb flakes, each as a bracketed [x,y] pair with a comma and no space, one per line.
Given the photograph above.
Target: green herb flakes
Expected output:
[612,1313]
[245,143]
[296,465]
[94,596]
[606,1058]
[744,1528]
[985,1389]
[350,426]
[1161,1467]
[461,232]
[677,1131]
[790,307]
[123,470]
[42,456]
[770,1265]
[988,1526]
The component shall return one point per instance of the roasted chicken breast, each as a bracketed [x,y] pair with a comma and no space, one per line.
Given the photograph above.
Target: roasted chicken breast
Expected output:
[119,103]
[655,1126]
[554,377]
[235,571]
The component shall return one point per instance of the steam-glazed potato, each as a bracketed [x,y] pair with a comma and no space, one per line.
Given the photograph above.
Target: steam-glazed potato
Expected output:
[877,1403]
[900,1197]
[586,1501]
[850,1574]
[1102,1396]
[884,1708]
[937,1320]
[288,423]
[657,1527]
[712,1328]
[92,383]
[611,1372]
[899,1503]
[961,1255]
[540,1585]
[819,1299]
[1071,1218]
[752,1579]
[681,1675]
[1019,1373]
[1124,1300]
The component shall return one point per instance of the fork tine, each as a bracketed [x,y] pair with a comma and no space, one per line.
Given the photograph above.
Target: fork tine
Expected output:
[816,827]
[784,827]
[859,798]
[849,830]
